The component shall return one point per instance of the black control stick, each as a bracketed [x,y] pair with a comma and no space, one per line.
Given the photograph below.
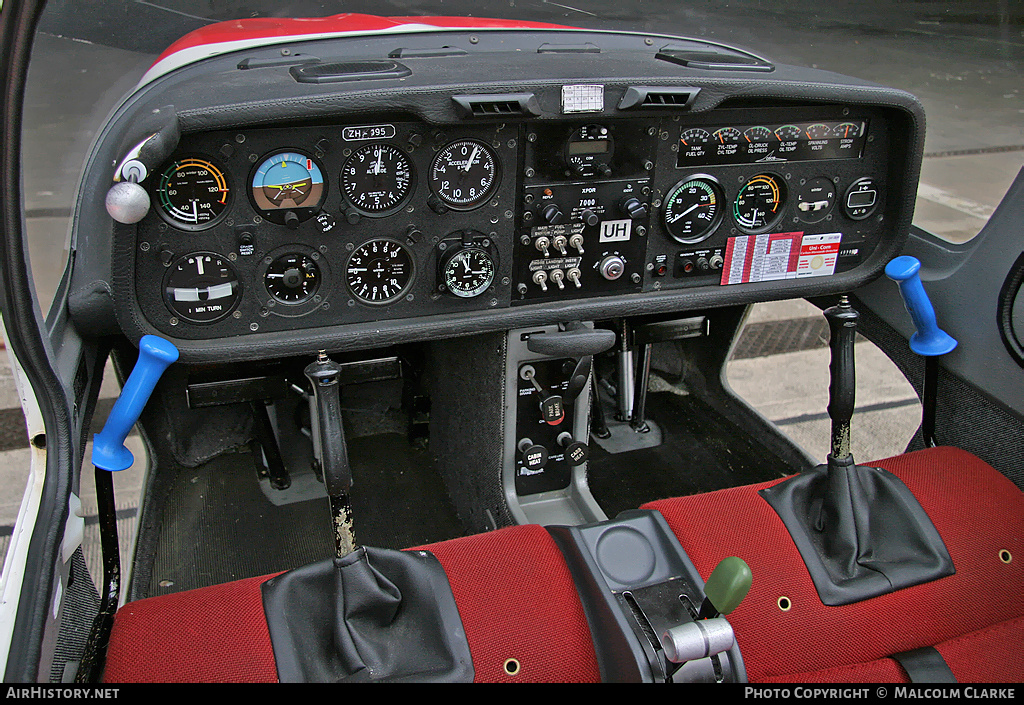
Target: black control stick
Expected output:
[860,531]
[330,449]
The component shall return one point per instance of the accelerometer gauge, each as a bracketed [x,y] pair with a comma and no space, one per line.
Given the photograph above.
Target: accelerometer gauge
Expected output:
[468,272]
[292,278]
[693,209]
[377,178]
[193,193]
[589,150]
[759,203]
[287,182]
[379,271]
[464,174]
[202,287]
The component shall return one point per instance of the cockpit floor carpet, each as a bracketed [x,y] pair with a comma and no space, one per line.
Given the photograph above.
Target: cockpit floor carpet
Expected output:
[218,526]
[702,451]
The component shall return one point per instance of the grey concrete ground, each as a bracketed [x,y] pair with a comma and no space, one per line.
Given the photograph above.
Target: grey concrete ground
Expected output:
[964,60]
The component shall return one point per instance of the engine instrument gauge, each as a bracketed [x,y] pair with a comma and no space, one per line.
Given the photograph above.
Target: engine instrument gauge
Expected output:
[759,203]
[727,135]
[193,193]
[292,278]
[788,133]
[377,178]
[202,287]
[379,271]
[818,131]
[287,182]
[757,134]
[464,174]
[693,209]
[468,272]
[694,135]
[847,130]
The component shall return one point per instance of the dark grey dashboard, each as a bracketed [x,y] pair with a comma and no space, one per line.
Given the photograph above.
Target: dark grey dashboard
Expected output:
[313,203]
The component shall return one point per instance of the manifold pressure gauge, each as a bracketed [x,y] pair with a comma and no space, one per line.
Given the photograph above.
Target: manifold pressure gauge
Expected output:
[468,272]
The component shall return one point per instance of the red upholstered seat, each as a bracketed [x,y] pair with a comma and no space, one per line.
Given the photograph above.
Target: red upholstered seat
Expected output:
[517,600]
[976,510]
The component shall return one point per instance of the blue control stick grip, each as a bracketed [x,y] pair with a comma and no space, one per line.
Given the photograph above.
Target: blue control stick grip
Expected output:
[929,340]
[108,449]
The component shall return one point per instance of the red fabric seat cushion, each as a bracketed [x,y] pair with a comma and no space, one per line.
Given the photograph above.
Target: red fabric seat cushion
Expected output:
[515,596]
[976,510]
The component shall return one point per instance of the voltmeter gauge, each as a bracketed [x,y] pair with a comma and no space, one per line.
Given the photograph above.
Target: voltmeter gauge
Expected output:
[464,174]
[292,278]
[193,193]
[377,178]
[759,203]
[287,182]
[693,209]
[468,272]
[202,287]
[379,271]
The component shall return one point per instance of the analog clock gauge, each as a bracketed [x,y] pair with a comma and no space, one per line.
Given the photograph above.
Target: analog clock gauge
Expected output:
[468,272]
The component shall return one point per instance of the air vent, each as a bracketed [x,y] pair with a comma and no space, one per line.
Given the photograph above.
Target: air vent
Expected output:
[498,105]
[658,97]
[349,71]
[713,61]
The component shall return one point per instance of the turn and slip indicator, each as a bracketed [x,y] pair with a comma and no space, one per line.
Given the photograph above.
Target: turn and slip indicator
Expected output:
[770,257]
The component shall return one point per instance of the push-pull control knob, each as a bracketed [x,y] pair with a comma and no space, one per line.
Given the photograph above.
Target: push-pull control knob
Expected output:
[612,267]
[632,207]
[534,456]
[576,452]
[553,214]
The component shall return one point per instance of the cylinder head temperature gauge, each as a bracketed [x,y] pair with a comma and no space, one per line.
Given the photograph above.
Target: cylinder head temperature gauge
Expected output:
[759,204]
[693,209]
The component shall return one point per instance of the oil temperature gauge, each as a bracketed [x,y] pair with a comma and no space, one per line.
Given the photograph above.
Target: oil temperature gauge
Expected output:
[468,272]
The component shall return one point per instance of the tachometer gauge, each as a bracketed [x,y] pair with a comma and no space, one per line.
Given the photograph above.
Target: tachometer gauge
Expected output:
[693,209]
[468,272]
[464,174]
[202,287]
[377,178]
[193,194]
[287,181]
[379,271]
[292,278]
[759,203]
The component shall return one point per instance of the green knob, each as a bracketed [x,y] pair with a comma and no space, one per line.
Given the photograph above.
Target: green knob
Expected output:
[728,584]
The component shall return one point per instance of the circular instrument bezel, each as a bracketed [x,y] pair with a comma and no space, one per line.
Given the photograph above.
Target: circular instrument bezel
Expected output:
[708,229]
[489,163]
[780,194]
[450,261]
[276,214]
[306,261]
[350,189]
[220,179]
[403,289]
[221,262]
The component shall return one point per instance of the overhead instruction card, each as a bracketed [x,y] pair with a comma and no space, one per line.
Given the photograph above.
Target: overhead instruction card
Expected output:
[773,256]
